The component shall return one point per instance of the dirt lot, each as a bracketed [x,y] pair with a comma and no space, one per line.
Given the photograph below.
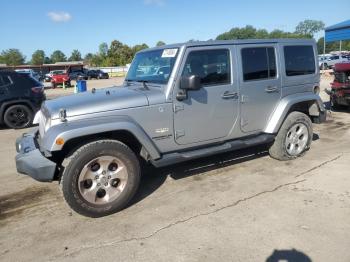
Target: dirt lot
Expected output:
[242,206]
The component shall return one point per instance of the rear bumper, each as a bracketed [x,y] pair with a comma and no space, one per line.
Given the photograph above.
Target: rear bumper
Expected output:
[30,161]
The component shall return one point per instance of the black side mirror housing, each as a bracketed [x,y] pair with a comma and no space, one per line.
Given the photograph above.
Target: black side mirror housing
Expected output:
[192,82]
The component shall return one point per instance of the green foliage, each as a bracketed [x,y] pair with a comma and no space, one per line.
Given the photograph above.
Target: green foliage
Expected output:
[88,59]
[309,27]
[38,57]
[47,60]
[332,46]
[250,32]
[58,56]
[160,43]
[75,56]
[12,57]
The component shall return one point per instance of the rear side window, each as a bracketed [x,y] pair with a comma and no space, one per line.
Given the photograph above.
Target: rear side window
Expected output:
[212,66]
[5,80]
[258,63]
[300,60]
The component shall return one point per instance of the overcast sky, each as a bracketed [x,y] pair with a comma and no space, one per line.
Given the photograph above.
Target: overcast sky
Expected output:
[81,24]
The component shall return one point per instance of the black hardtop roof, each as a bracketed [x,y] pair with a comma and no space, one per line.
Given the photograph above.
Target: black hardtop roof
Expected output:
[233,42]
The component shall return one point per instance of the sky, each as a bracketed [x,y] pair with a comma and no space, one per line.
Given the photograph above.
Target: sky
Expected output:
[84,24]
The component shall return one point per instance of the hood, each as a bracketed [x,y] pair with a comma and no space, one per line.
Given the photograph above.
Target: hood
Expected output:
[101,100]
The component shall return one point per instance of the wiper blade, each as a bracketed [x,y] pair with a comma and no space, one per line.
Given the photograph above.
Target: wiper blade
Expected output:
[144,83]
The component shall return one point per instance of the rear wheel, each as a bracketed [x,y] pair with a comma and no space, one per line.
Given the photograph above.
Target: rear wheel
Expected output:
[293,138]
[100,178]
[18,116]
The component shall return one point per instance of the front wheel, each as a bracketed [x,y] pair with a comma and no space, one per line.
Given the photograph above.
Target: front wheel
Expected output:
[100,178]
[293,138]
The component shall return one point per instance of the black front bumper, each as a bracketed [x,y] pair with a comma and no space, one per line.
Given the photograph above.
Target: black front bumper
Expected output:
[30,161]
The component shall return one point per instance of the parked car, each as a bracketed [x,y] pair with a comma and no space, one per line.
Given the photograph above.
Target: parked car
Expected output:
[93,142]
[21,97]
[29,72]
[78,76]
[340,87]
[47,78]
[97,74]
[59,77]
[322,61]
[335,59]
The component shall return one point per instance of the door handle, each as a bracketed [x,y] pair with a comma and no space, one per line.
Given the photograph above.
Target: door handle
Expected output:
[271,89]
[228,95]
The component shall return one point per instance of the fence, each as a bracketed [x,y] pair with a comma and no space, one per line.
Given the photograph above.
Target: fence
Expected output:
[114,70]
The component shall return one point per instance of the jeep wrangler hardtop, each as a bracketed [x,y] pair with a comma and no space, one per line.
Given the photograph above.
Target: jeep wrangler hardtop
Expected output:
[178,102]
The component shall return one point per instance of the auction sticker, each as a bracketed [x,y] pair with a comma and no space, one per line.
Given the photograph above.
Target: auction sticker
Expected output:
[169,52]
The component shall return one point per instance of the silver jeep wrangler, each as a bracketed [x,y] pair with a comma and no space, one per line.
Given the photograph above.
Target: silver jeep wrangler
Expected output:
[178,102]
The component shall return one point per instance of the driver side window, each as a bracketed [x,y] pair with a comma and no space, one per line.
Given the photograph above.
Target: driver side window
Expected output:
[212,66]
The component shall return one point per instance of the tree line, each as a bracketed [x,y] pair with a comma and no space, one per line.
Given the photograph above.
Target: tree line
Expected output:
[117,53]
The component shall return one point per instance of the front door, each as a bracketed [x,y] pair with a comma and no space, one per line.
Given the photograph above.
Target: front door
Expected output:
[260,85]
[210,112]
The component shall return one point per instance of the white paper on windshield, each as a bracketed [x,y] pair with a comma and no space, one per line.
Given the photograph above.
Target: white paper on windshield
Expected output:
[169,52]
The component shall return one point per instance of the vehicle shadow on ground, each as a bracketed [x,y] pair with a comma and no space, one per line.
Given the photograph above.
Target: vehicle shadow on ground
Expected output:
[288,255]
[153,178]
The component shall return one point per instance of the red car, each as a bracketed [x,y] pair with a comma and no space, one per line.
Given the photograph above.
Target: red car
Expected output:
[59,77]
[340,87]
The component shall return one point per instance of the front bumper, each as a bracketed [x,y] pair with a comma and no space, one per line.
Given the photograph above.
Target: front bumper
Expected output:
[30,161]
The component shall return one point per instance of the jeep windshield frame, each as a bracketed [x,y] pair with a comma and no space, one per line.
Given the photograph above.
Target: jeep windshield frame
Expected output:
[154,66]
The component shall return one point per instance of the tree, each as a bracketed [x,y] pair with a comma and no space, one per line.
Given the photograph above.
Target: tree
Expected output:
[137,48]
[75,56]
[38,57]
[332,46]
[103,49]
[88,59]
[160,43]
[12,57]
[309,27]
[119,54]
[249,32]
[58,56]
[47,60]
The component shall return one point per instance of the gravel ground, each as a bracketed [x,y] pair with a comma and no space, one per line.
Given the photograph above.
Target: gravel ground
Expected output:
[241,206]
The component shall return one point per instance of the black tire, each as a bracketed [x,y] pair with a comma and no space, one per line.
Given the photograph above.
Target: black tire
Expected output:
[278,150]
[334,104]
[87,153]
[18,116]
[324,66]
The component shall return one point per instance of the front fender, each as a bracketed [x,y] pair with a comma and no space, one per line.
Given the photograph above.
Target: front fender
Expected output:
[80,128]
[285,105]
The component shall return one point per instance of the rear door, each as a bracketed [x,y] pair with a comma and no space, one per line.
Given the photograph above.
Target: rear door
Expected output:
[260,85]
[5,83]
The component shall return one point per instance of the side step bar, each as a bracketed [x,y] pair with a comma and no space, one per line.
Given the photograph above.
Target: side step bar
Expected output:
[173,158]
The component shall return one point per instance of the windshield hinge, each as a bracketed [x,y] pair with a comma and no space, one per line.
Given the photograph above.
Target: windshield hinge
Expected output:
[178,107]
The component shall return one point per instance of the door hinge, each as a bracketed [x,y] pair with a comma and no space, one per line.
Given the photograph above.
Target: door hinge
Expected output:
[179,133]
[178,107]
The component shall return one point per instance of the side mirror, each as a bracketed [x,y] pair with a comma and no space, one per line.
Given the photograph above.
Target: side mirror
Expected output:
[192,82]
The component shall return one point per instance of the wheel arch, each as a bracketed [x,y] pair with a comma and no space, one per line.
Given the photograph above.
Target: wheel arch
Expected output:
[5,105]
[309,104]
[77,133]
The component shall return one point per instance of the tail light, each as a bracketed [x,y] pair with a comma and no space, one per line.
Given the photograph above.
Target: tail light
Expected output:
[38,89]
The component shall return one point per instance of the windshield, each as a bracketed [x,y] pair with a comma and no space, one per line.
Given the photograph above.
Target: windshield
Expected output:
[58,72]
[153,66]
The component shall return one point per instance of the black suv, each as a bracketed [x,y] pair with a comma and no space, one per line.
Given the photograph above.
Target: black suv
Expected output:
[20,97]
[98,74]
